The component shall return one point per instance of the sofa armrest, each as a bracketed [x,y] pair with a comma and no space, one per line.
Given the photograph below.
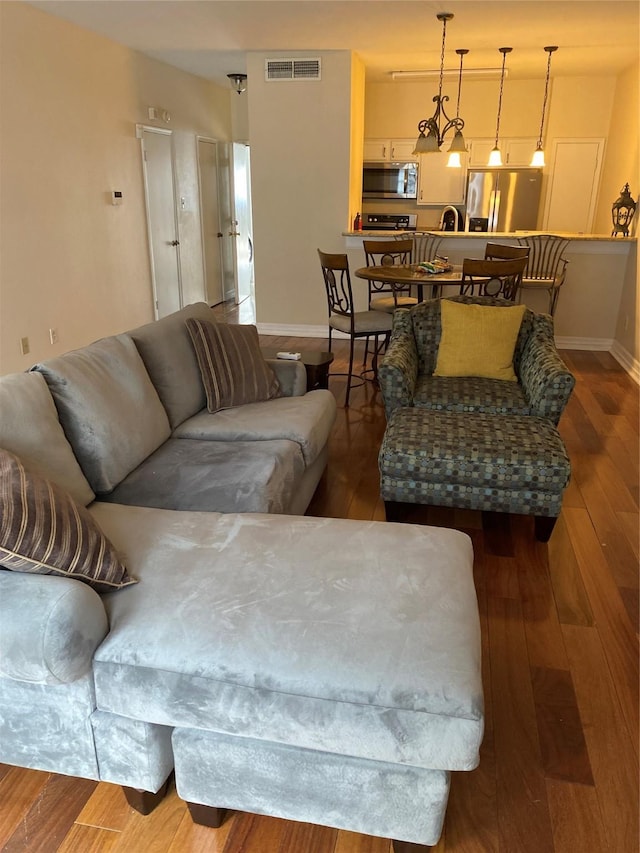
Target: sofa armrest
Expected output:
[398,372]
[546,380]
[292,376]
[49,627]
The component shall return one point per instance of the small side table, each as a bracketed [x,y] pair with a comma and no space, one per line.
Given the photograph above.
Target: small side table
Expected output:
[316,363]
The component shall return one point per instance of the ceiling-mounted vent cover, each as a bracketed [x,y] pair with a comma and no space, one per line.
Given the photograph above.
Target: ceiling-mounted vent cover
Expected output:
[292,69]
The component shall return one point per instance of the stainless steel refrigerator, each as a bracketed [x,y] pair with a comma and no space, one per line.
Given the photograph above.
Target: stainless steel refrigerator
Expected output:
[503,199]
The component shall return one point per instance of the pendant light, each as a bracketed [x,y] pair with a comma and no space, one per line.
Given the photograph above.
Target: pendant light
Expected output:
[431,141]
[495,158]
[538,154]
[457,146]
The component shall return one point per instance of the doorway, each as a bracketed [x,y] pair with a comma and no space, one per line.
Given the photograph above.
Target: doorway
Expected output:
[210,219]
[162,221]
[241,222]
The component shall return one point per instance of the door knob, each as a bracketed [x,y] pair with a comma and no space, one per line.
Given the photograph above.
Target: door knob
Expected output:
[174,243]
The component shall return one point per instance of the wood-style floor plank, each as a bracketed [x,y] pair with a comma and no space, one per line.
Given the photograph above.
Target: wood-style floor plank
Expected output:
[51,816]
[523,814]
[614,626]
[551,616]
[613,761]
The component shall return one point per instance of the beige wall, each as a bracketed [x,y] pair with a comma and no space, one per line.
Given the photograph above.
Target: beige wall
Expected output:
[622,166]
[70,260]
[300,134]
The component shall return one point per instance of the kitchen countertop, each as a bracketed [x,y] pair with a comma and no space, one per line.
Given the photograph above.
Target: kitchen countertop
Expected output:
[491,235]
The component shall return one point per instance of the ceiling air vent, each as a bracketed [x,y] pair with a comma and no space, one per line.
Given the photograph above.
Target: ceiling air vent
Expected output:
[291,69]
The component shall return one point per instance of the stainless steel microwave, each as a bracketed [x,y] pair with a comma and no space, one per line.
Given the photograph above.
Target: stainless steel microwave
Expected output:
[390,180]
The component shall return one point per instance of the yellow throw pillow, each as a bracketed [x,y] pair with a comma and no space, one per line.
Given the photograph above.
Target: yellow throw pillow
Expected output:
[478,340]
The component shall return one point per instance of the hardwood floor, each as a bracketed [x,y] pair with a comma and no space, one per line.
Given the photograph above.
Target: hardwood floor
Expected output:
[559,762]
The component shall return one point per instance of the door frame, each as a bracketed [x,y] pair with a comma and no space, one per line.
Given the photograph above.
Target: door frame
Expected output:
[141,129]
[216,142]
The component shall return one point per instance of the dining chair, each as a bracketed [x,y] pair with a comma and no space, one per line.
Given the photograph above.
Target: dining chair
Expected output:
[501,252]
[546,268]
[344,318]
[425,245]
[386,253]
[482,277]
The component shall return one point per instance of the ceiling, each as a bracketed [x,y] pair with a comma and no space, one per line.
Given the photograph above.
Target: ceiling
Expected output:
[211,38]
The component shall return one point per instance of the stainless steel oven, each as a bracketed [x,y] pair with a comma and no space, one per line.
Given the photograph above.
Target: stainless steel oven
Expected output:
[390,180]
[389,222]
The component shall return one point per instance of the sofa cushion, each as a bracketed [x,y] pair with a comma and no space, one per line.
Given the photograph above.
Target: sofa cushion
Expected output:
[297,630]
[108,408]
[470,394]
[306,420]
[29,427]
[237,476]
[44,531]
[478,340]
[233,369]
[168,355]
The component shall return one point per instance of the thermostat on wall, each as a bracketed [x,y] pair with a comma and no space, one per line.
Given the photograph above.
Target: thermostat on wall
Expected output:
[116,197]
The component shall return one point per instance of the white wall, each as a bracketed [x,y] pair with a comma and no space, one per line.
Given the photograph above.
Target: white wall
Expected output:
[70,260]
[300,135]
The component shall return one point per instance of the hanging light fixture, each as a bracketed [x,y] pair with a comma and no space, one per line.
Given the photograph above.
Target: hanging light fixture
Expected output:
[538,154]
[433,139]
[239,82]
[495,158]
[457,146]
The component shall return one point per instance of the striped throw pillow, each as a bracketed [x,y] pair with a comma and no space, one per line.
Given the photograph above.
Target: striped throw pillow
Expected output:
[233,369]
[44,531]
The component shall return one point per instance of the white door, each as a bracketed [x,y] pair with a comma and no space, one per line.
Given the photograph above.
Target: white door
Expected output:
[241,227]
[162,222]
[573,185]
[210,217]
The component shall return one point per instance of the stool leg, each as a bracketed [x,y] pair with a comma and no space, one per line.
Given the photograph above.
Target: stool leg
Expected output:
[394,511]
[206,815]
[544,527]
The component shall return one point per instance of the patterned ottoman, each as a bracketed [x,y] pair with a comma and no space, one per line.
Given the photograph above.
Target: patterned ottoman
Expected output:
[469,460]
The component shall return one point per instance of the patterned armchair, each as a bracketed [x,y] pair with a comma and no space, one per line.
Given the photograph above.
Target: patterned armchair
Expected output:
[544,383]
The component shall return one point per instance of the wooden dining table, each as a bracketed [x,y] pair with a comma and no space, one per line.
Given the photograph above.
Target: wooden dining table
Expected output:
[413,274]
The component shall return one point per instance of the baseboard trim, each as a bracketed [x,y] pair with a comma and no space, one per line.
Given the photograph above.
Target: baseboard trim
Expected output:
[621,355]
[297,331]
[627,361]
[589,344]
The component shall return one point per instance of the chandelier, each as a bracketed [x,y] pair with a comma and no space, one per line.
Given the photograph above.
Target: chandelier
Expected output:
[440,124]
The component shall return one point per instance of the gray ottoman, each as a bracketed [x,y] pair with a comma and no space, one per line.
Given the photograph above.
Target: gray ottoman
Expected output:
[468,460]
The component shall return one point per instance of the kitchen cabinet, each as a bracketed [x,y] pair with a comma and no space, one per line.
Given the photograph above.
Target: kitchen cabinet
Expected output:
[516,151]
[439,183]
[391,150]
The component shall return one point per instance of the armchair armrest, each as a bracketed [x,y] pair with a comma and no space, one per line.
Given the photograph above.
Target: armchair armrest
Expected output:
[546,380]
[398,372]
[49,627]
[292,376]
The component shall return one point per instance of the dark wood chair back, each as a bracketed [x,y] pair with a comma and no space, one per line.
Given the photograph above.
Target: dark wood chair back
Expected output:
[387,253]
[481,277]
[500,252]
[337,282]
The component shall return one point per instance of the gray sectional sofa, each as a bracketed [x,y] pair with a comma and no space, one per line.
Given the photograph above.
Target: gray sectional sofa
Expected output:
[313,669]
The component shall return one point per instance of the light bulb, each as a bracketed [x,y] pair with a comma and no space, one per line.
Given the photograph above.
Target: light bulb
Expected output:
[538,157]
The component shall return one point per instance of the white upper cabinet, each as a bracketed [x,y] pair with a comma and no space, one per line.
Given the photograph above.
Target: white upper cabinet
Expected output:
[391,150]
[439,183]
[515,151]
